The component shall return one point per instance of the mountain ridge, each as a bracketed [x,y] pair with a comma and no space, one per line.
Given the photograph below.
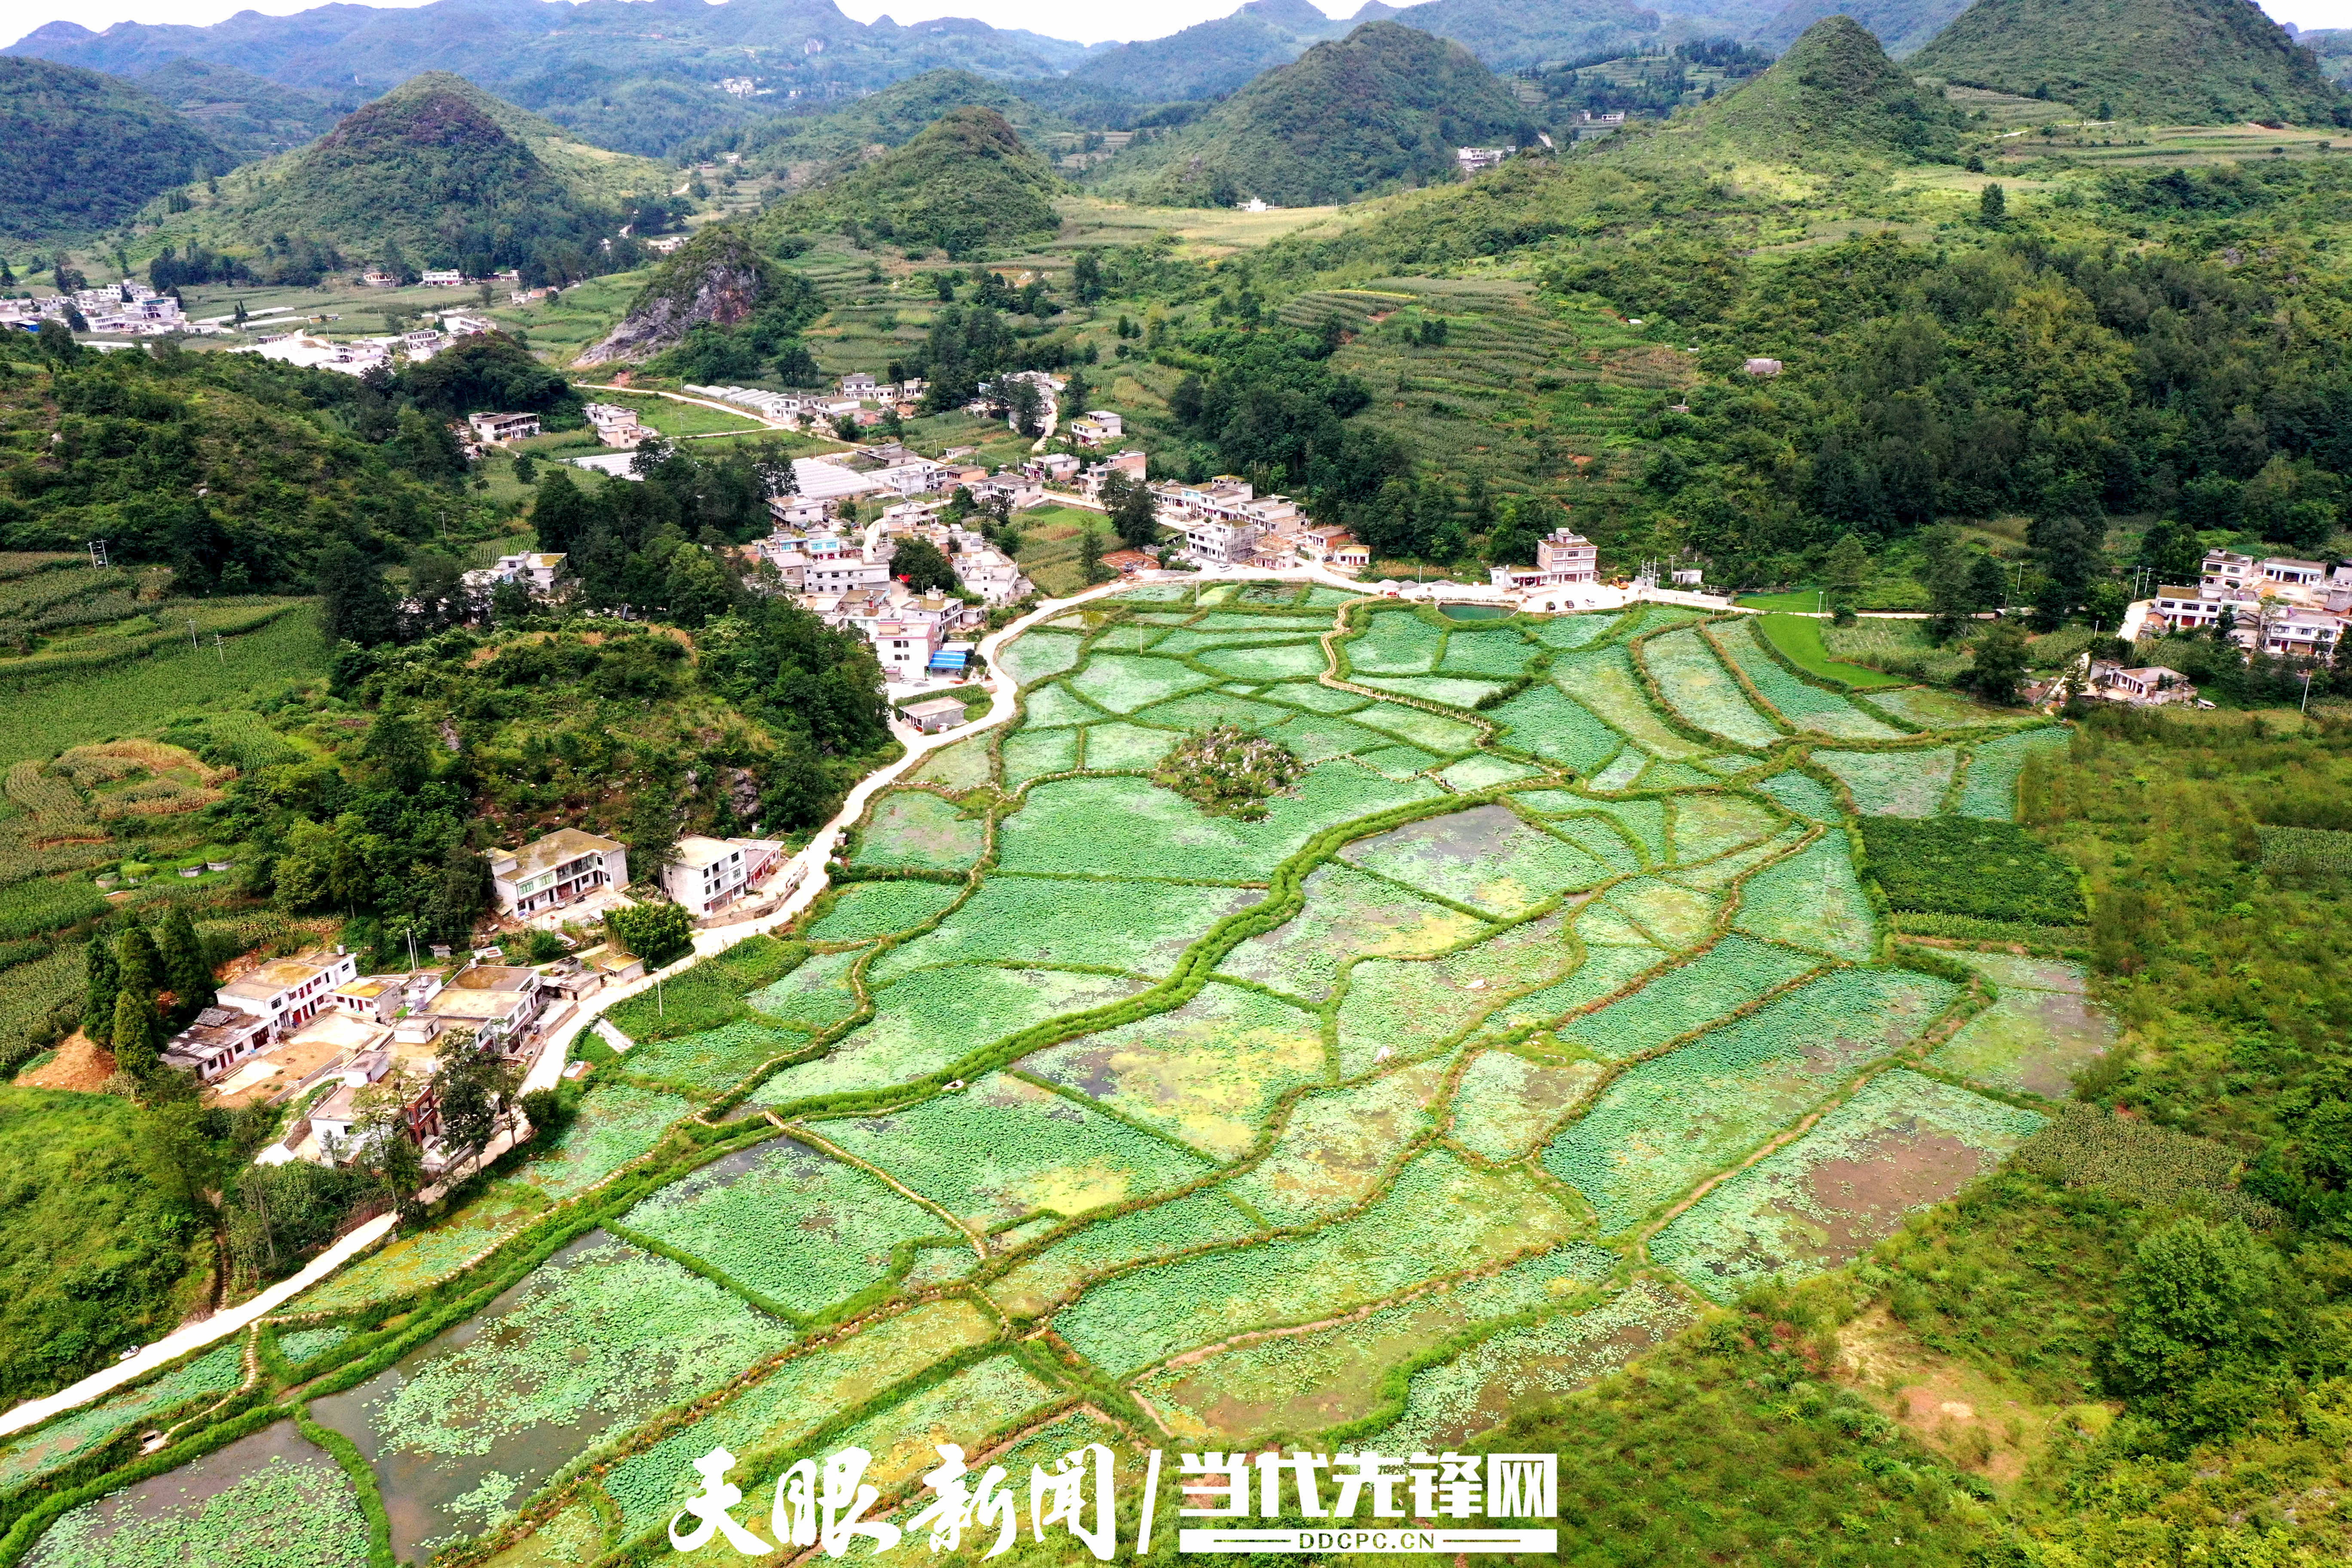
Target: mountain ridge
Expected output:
[2174,60]
[81,150]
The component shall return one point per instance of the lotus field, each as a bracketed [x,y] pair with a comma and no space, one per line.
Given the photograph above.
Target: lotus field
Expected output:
[1501,1042]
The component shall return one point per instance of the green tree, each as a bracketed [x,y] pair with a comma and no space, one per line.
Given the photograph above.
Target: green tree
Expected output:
[460,894]
[476,1088]
[1515,536]
[1077,395]
[922,566]
[2203,1333]
[1992,206]
[354,605]
[1843,572]
[2065,543]
[396,744]
[659,934]
[652,833]
[1999,665]
[799,793]
[387,1156]
[1133,516]
[138,1034]
[185,968]
[1027,405]
[101,983]
[140,962]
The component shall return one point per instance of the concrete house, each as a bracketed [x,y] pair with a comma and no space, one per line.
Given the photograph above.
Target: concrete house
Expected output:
[567,863]
[708,873]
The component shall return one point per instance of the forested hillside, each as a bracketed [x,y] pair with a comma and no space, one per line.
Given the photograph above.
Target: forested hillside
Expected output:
[966,183]
[78,151]
[249,116]
[1383,108]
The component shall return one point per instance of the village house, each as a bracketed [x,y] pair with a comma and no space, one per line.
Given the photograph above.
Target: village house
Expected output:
[1053,469]
[1129,465]
[616,425]
[2227,569]
[1562,558]
[499,428]
[385,998]
[1216,540]
[1019,490]
[1473,159]
[289,992]
[496,1001]
[566,865]
[934,715]
[708,873]
[443,278]
[2289,572]
[216,1041]
[2150,686]
[335,1120]
[1096,427]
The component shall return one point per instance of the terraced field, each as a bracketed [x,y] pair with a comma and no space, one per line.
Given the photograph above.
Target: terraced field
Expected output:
[1080,1114]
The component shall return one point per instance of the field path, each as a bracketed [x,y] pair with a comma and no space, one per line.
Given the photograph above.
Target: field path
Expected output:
[219,1326]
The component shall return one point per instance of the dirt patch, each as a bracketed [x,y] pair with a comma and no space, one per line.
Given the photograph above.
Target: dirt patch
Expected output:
[81,1064]
[1968,1416]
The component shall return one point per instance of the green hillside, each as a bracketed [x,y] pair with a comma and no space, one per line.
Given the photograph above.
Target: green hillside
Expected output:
[1383,108]
[965,185]
[1213,57]
[249,116]
[2176,62]
[1902,26]
[1508,34]
[435,172]
[800,148]
[81,151]
[1832,99]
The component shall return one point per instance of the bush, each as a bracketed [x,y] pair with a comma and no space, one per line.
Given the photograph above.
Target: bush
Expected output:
[547,1111]
[659,934]
[1228,773]
[1959,866]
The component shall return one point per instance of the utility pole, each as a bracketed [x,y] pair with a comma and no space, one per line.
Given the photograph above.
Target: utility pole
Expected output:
[192,636]
[220,648]
[97,553]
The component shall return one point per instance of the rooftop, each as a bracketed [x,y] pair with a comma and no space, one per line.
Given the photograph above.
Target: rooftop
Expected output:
[697,851]
[543,853]
[277,974]
[495,977]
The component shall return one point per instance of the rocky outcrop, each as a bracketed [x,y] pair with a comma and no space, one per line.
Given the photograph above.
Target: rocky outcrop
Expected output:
[715,278]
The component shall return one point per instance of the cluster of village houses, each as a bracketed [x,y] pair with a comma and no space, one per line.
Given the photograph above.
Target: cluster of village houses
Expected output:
[125,309]
[313,1027]
[2279,605]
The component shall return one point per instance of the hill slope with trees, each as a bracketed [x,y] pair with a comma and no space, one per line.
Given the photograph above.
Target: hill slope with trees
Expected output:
[435,172]
[2178,61]
[81,151]
[1383,108]
[1833,102]
[251,117]
[967,183]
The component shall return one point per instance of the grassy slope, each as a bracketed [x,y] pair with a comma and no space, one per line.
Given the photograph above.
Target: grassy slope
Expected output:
[97,1253]
[1799,638]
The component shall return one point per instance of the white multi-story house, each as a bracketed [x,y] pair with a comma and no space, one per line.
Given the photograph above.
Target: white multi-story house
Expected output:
[566,865]
[707,874]
[496,1001]
[616,426]
[503,427]
[443,278]
[288,993]
[1216,540]
[2227,569]
[1096,427]
[1562,558]
[2292,574]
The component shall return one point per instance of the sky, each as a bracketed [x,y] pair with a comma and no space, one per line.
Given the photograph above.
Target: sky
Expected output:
[1056,18]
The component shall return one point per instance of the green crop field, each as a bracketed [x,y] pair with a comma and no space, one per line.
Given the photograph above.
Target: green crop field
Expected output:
[1089,1115]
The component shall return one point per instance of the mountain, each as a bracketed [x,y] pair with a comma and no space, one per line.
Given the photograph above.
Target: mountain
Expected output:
[966,184]
[81,151]
[1384,107]
[1213,57]
[2172,60]
[1508,34]
[1832,101]
[435,172]
[648,114]
[1217,57]
[803,44]
[799,147]
[717,280]
[250,116]
[1902,25]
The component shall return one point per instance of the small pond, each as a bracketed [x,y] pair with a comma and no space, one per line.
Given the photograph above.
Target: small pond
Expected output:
[1472,611]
